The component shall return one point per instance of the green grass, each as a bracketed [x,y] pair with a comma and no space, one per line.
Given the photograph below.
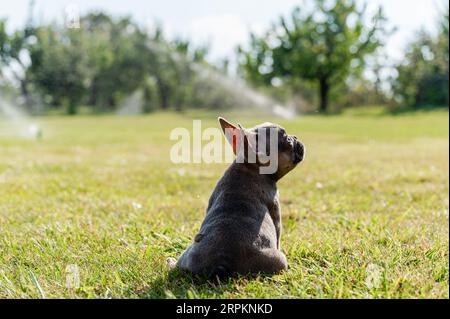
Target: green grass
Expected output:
[369,205]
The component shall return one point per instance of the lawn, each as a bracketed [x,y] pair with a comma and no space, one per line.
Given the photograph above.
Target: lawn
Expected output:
[366,215]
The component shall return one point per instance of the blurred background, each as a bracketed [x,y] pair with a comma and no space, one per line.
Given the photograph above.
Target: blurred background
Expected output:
[285,57]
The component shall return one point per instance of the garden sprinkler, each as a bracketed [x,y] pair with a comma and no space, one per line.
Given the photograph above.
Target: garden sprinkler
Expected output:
[35,131]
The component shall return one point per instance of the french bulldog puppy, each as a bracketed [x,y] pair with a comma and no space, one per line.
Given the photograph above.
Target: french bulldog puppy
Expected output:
[241,231]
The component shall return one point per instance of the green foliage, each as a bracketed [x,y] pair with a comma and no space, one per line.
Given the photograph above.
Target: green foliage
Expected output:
[3,42]
[109,59]
[117,58]
[324,44]
[323,48]
[59,67]
[12,50]
[423,75]
[97,64]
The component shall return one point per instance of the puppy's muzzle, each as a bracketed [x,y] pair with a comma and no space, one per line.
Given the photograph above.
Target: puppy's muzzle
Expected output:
[299,151]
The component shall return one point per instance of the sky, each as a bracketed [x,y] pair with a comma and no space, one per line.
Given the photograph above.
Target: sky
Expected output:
[224,24]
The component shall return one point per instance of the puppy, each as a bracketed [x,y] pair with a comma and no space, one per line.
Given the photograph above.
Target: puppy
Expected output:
[242,228]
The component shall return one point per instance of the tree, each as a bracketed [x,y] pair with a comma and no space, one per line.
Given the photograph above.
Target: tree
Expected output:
[171,65]
[13,55]
[59,66]
[324,45]
[117,58]
[423,74]
[98,64]
[109,59]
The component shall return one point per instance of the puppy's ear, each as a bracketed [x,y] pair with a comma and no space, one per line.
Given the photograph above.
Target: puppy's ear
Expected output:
[232,133]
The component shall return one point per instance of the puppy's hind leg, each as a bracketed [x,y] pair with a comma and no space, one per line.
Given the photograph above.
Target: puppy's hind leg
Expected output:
[185,261]
[270,261]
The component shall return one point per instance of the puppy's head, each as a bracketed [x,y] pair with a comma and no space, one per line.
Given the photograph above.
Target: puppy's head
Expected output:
[266,145]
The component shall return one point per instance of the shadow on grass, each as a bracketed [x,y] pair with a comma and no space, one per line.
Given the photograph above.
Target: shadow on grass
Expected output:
[181,284]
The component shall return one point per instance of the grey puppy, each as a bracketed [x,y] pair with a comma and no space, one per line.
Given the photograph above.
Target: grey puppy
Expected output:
[242,228]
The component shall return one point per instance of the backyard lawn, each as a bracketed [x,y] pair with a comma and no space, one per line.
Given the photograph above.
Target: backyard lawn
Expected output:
[94,207]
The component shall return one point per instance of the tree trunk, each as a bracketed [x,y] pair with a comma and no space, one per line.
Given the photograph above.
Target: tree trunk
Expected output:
[164,100]
[93,99]
[148,99]
[324,90]
[72,108]
[111,102]
[163,95]
[26,95]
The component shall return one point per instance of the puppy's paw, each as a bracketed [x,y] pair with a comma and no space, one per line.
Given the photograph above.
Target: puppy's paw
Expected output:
[171,262]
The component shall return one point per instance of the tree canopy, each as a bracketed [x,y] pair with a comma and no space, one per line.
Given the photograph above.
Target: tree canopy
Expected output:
[423,75]
[107,60]
[323,44]
[316,54]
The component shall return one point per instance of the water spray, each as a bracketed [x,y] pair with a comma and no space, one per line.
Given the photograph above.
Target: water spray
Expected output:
[35,131]
[233,85]
[18,122]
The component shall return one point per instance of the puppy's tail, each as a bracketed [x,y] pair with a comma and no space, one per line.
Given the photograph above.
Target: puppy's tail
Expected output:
[220,272]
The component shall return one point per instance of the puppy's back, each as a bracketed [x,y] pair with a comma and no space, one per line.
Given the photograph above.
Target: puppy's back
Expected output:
[236,214]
